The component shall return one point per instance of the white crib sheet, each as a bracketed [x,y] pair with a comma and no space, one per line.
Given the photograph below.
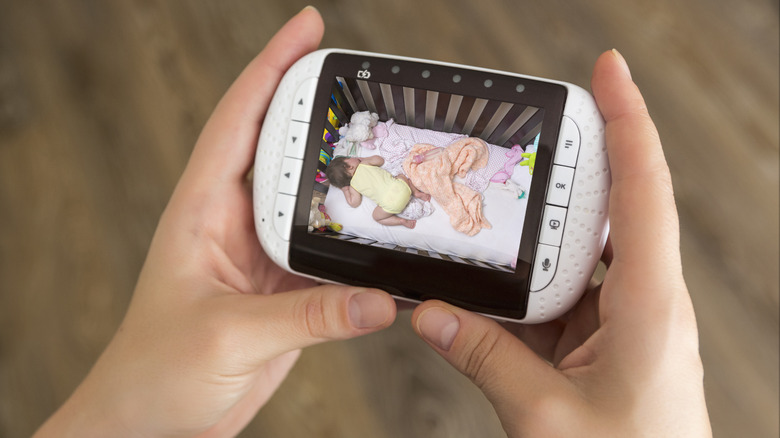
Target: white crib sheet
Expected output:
[501,206]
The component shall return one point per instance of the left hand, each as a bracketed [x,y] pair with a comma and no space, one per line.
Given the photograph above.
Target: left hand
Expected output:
[207,338]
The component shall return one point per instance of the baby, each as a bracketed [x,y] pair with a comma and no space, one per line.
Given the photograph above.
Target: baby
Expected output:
[358,177]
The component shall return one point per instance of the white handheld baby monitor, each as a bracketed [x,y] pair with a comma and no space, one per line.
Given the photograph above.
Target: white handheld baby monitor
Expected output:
[508,182]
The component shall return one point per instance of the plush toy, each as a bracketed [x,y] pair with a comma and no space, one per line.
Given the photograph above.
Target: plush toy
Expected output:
[360,129]
[530,161]
[321,177]
[319,219]
[514,155]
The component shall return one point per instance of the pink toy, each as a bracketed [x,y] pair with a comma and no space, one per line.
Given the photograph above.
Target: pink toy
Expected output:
[515,156]
[427,155]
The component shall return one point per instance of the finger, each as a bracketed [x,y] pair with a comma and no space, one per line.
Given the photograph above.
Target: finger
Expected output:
[297,319]
[226,147]
[643,217]
[506,370]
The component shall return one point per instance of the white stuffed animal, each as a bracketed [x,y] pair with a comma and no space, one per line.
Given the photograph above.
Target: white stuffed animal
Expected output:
[359,129]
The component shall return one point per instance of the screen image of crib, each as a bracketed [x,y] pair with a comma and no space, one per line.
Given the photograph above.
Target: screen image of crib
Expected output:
[405,117]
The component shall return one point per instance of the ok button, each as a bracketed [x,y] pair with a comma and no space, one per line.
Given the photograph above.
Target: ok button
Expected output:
[559,191]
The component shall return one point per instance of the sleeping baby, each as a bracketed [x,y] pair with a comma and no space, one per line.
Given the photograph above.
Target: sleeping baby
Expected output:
[358,177]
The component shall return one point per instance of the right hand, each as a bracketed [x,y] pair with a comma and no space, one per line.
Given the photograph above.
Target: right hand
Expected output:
[625,361]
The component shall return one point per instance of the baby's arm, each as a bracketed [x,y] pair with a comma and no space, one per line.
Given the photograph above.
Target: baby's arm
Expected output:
[374,160]
[354,198]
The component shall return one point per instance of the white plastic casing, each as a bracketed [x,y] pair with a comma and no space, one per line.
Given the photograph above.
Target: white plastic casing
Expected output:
[580,164]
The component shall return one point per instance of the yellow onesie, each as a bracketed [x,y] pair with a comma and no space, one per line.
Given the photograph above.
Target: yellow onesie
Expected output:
[379,185]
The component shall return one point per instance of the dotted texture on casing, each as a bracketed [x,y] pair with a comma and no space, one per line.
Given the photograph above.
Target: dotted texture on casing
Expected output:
[586,227]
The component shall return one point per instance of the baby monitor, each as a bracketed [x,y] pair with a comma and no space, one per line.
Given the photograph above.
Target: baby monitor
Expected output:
[508,176]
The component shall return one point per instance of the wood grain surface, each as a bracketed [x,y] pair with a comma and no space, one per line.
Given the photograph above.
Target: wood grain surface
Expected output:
[101,102]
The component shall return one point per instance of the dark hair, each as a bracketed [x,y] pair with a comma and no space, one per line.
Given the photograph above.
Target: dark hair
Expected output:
[337,172]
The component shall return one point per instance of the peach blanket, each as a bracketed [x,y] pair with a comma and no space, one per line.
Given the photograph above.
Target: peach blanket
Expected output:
[435,177]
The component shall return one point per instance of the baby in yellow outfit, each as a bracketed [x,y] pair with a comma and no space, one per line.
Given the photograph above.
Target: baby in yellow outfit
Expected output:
[358,177]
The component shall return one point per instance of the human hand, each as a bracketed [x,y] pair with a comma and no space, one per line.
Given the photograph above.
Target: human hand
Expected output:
[625,360]
[207,339]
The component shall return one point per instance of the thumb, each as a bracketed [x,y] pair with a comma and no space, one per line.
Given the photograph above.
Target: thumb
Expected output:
[301,318]
[512,376]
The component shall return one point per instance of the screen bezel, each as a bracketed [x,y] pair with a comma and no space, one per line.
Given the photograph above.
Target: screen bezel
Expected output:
[476,288]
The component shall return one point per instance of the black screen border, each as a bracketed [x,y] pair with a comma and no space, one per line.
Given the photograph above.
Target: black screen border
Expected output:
[419,278]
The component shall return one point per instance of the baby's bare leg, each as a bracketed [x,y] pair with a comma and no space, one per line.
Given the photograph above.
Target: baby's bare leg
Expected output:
[389,219]
[417,193]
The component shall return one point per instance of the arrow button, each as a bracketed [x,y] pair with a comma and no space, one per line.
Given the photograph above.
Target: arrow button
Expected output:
[296,139]
[285,204]
[303,100]
[290,176]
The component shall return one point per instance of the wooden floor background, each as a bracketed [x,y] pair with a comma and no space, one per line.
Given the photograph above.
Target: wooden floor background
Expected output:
[101,102]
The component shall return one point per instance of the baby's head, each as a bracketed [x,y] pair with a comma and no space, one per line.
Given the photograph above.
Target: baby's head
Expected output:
[340,170]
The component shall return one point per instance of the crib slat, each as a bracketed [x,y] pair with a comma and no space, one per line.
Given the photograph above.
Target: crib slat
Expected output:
[387,95]
[529,136]
[452,112]
[368,97]
[409,106]
[521,120]
[332,130]
[476,112]
[502,111]
[341,117]
[431,100]
[348,95]
[341,108]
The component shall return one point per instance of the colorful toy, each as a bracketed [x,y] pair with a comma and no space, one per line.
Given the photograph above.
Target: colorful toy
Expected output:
[530,161]
[324,157]
[515,155]
[334,121]
[319,219]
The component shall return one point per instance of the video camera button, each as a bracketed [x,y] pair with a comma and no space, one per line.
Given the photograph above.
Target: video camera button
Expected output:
[559,190]
[568,143]
[552,225]
[304,100]
[295,143]
[544,266]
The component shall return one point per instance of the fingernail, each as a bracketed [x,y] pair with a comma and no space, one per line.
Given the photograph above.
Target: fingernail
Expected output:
[439,327]
[368,310]
[309,8]
[622,62]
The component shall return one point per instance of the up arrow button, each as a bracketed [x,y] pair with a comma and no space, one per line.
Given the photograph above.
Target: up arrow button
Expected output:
[304,98]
